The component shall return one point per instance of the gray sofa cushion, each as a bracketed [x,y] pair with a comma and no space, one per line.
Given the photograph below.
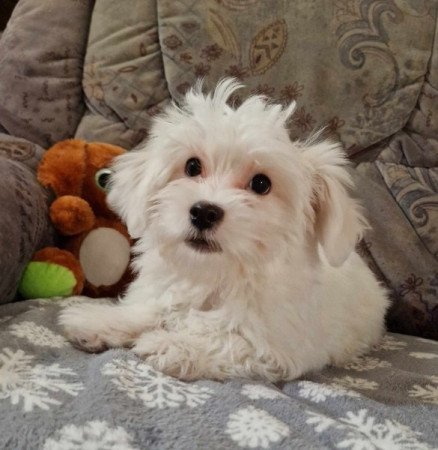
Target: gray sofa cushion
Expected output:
[123,79]
[400,190]
[41,58]
[20,150]
[24,221]
[41,55]
[352,66]
[402,245]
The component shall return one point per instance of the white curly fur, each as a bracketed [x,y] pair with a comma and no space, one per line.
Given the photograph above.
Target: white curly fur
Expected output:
[287,294]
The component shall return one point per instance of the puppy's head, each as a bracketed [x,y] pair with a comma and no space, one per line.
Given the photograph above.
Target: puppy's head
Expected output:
[217,184]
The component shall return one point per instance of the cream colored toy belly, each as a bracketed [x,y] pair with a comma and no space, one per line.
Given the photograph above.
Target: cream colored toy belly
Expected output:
[104,256]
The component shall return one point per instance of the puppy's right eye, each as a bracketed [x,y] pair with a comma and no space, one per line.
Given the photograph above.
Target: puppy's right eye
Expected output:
[193,167]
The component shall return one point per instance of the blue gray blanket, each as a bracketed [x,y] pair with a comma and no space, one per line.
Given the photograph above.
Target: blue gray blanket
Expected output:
[53,396]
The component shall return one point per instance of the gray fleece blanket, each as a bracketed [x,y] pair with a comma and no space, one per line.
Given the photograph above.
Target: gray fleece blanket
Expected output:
[53,396]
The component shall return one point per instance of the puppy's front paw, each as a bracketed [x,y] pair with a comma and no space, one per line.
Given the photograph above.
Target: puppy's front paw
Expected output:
[81,329]
[168,353]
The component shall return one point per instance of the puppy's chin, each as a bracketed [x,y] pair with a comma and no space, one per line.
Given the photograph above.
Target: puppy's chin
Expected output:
[202,245]
[194,259]
[186,251]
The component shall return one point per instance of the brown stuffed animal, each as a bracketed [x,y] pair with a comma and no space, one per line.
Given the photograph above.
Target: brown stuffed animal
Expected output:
[95,255]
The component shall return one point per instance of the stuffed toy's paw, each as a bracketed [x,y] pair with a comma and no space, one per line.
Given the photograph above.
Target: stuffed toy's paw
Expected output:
[51,273]
[71,215]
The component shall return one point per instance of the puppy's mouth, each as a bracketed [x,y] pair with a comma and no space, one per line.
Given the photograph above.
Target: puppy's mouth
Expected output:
[203,245]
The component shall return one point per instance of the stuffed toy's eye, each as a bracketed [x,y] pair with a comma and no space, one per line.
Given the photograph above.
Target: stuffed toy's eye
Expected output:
[102,178]
[260,184]
[193,167]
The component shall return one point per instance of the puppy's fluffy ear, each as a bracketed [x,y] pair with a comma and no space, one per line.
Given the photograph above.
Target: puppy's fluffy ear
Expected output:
[136,178]
[338,219]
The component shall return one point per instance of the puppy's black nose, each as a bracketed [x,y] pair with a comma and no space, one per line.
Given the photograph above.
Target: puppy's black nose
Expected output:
[205,215]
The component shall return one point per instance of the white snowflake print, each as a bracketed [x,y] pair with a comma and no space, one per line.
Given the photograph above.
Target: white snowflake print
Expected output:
[363,363]
[356,383]
[37,334]
[319,421]
[363,432]
[428,393]
[389,343]
[34,385]
[423,355]
[258,391]
[426,341]
[317,392]
[252,427]
[96,435]
[156,390]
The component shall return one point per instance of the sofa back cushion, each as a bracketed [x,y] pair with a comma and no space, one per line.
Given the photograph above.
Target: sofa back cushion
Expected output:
[356,67]
[124,83]
[41,58]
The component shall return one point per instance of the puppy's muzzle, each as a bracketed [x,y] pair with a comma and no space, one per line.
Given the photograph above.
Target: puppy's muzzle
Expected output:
[205,216]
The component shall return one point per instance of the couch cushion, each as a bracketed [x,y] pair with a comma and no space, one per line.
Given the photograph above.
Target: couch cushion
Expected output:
[41,58]
[401,194]
[123,80]
[360,74]
[18,149]
[402,204]
[24,220]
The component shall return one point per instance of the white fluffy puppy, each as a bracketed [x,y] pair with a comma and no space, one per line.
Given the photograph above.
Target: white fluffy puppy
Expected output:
[245,256]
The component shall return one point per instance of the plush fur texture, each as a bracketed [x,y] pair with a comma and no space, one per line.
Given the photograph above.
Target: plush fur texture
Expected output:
[68,169]
[281,291]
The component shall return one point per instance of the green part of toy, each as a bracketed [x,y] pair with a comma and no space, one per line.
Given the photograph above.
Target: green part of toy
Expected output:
[45,280]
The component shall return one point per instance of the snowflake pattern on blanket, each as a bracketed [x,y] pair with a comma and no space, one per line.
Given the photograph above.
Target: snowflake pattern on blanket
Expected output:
[154,389]
[361,430]
[34,385]
[70,400]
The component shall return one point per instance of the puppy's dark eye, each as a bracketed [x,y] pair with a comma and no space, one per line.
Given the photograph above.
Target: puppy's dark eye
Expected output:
[102,178]
[193,167]
[260,184]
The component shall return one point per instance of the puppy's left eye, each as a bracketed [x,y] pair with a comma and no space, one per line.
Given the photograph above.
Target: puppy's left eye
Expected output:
[260,184]
[193,167]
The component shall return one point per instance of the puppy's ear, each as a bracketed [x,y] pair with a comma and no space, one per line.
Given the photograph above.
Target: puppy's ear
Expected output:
[136,178]
[338,220]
